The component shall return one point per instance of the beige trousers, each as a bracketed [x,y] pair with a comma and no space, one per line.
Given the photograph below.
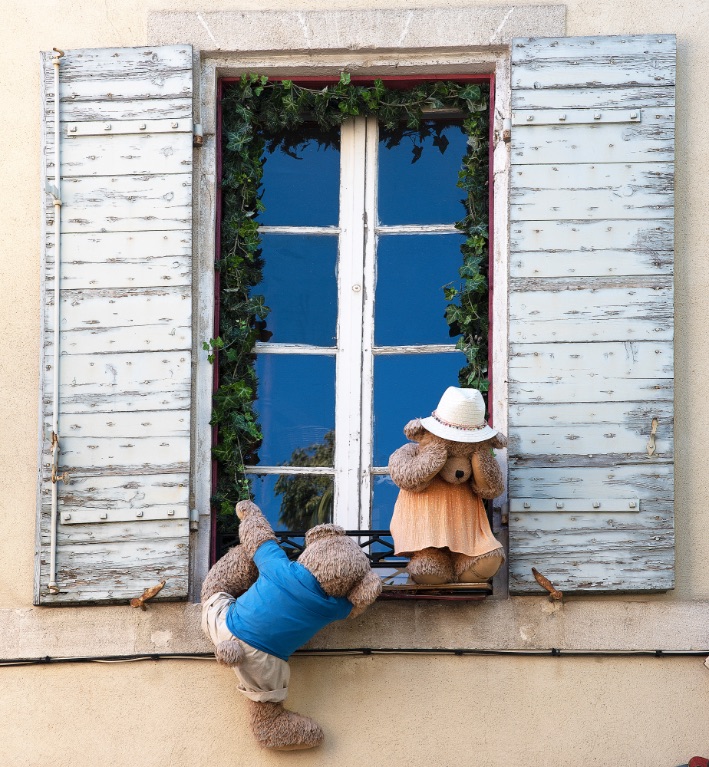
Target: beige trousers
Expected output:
[263,677]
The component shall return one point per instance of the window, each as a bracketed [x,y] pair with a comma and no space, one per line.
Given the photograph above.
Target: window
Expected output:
[583,290]
[361,260]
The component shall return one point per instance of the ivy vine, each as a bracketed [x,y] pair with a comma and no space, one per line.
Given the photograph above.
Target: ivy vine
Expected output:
[260,115]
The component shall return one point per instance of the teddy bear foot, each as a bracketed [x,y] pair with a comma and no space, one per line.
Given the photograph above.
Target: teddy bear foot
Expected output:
[279,729]
[478,569]
[229,653]
[431,567]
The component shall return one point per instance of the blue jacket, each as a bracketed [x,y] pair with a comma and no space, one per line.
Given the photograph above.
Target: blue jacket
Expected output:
[286,606]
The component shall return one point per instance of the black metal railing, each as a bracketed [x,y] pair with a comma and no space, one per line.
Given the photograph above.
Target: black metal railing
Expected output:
[376,544]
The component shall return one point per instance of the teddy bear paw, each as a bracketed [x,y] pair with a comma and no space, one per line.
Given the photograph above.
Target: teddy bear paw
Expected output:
[229,653]
[279,729]
[431,567]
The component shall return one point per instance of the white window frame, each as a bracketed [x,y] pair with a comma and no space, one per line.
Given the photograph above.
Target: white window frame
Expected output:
[358,235]
[212,69]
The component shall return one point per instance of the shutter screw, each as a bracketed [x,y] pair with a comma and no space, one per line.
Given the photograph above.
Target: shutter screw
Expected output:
[632,504]
[530,118]
[356,288]
[138,513]
[72,129]
[596,505]
[107,126]
[104,516]
[171,513]
[142,126]
[67,517]
[562,117]
[175,125]
[559,505]
[633,115]
[527,505]
[597,116]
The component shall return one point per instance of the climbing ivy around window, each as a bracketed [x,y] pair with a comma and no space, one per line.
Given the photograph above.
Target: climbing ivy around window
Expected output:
[260,114]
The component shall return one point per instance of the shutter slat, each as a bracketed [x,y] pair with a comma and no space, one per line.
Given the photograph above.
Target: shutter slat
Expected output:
[137,154]
[647,482]
[125,336]
[646,191]
[595,98]
[646,142]
[126,203]
[590,236]
[591,312]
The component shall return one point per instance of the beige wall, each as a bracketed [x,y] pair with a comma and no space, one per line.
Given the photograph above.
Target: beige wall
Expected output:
[406,712]
[394,710]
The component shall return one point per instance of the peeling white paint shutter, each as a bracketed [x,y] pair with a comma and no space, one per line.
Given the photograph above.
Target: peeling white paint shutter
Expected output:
[125,322]
[591,313]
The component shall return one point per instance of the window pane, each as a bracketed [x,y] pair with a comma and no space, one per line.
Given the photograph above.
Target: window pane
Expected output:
[300,287]
[296,409]
[301,186]
[384,493]
[418,176]
[293,502]
[406,387]
[412,271]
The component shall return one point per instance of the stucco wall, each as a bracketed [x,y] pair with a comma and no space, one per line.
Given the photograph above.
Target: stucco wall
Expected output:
[398,709]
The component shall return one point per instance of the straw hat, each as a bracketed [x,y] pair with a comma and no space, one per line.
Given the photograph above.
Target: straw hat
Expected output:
[460,417]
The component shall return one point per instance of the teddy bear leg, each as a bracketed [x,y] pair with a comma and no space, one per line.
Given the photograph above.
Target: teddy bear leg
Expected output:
[431,567]
[477,569]
[278,728]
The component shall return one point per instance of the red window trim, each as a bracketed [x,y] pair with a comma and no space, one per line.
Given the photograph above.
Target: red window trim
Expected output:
[392,81]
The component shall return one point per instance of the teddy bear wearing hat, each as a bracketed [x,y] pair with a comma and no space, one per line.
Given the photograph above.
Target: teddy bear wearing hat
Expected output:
[443,476]
[258,608]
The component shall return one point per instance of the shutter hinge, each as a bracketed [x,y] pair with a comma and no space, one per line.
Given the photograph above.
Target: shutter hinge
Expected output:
[574,505]
[98,516]
[198,135]
[507,130]
[194,519]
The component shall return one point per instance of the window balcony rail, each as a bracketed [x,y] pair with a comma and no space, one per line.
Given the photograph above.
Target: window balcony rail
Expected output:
[379,548]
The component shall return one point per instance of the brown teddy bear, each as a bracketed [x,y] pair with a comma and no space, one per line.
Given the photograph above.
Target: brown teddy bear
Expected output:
[258,607]
[439,518]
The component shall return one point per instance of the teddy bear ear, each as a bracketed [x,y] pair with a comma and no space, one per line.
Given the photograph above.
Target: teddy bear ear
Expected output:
[322,531]
[414,430]
[499,440]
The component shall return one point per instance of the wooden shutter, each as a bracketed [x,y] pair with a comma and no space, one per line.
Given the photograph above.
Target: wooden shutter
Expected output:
[591,313]
[125,324]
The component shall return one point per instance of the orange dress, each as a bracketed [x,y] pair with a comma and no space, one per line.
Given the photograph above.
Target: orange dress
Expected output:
[442,515]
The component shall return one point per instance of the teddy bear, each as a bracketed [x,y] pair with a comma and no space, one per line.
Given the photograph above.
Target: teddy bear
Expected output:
[258,607]
[443,476]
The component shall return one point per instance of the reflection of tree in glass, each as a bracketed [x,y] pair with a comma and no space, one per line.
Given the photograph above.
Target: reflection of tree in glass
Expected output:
[307,499]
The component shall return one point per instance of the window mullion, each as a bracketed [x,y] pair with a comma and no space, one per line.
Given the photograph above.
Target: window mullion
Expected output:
[370,247]
[348,394]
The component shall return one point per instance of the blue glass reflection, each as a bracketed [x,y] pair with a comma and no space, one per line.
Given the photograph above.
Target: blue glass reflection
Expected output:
[418,177]
[384,493]
[293,503]
[407,387]
[301,187]
[296,409]
[300,287]
[412,271]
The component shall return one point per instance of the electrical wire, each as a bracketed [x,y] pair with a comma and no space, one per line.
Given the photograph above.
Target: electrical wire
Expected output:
[552,652]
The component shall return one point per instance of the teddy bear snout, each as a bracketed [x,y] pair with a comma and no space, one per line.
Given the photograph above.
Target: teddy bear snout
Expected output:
[456,470]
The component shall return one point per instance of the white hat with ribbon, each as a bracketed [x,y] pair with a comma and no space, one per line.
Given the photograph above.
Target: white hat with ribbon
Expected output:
[460,417]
